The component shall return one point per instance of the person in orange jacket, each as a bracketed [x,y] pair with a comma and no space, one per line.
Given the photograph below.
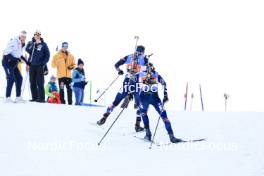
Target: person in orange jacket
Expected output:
[64,62]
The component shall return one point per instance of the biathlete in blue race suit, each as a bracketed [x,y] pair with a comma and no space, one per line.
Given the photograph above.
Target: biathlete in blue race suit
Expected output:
[148,81]
[134,66]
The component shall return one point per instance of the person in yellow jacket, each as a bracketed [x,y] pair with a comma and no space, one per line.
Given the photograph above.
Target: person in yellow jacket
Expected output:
[64,62]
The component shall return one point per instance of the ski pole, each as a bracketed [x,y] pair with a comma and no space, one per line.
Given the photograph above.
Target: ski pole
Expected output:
[30,60]
[186,97]
[201,96]
[152,141]
[192,96]
[24,86]
[226,96]
[99,143]
[107,89]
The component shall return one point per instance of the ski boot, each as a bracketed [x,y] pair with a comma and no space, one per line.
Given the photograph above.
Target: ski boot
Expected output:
[173,139]
[138,128]
[148,135]
[105,115]
[103,119]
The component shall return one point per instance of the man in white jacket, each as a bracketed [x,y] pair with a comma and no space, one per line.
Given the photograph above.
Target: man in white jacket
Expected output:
[12,55]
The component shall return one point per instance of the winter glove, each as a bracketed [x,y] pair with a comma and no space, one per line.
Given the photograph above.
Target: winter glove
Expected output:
[70,67]
[130,96]
[120,72]
[24,59]
[165,99]
[46,71]
[30,45]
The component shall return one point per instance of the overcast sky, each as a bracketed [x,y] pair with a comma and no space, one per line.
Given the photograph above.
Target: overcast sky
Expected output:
[216,43]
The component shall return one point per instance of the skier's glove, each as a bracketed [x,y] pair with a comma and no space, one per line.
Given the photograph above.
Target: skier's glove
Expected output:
[120,72]
[165,99]
[130,96]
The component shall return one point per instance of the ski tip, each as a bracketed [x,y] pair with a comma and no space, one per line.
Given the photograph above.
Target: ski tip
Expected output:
[197,140]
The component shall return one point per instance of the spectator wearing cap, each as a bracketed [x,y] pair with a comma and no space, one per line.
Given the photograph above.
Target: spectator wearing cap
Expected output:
[78,79]
[12,56]
[64,62]
[39,55]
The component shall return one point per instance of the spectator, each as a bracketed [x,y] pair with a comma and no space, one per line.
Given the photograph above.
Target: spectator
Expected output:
[12,56]
[64,62]
[78,79]
[51,91]
[39,57]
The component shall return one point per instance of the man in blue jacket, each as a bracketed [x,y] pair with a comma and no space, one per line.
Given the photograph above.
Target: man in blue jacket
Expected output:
[39,57]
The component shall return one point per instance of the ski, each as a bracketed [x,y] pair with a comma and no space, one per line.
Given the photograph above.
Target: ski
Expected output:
[132,133]
[144,140]
[96,125]
[182,142]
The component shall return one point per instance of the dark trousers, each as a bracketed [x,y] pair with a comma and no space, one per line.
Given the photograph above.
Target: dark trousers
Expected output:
[65,82]
[13,75]
[154,100]
[36,77]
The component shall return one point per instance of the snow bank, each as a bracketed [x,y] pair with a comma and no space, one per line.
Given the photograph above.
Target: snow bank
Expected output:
[59,140]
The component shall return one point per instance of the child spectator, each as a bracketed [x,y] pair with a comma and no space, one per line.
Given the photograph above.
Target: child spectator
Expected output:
[51,91]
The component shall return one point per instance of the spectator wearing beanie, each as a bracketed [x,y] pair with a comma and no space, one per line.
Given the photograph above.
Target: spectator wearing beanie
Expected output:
[79,83]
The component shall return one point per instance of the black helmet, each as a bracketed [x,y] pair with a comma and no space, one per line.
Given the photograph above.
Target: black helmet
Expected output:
[140,49]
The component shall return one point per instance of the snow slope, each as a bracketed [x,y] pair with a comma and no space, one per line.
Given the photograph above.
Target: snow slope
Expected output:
[59,140]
